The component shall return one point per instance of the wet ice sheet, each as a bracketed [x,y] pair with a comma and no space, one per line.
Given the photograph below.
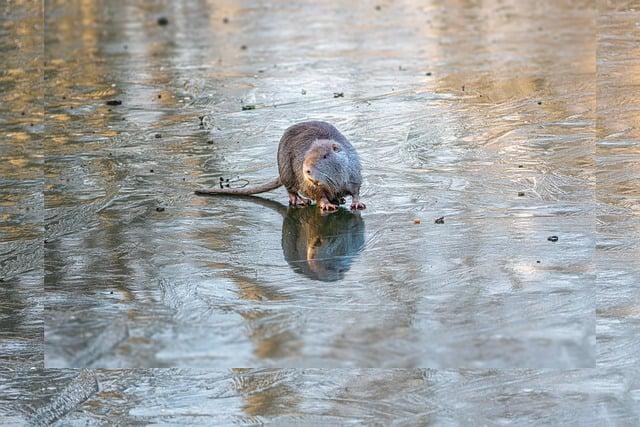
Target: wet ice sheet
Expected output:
[606,396]
[618,190]
[21,185]
[335,397]
[455,110]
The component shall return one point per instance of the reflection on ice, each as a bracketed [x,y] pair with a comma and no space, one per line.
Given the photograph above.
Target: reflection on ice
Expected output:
[319,245]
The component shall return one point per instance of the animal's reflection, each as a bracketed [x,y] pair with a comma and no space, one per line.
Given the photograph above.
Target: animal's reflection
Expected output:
[321,246]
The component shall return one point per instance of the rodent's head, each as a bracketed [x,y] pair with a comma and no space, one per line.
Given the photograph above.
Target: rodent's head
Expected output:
[324,164]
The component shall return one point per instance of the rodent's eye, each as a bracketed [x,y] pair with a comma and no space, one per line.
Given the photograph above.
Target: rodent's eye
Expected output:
[336,148]
[325,156]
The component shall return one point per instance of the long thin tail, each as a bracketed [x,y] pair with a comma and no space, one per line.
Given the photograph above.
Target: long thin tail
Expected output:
[244,191]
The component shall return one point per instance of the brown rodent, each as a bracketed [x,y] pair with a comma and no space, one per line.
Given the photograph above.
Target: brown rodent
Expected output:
[316,163]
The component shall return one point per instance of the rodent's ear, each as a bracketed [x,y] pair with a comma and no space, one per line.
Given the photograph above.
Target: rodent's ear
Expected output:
[335,147]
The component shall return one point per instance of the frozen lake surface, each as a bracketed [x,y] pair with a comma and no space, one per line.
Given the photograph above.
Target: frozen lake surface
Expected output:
[482,113]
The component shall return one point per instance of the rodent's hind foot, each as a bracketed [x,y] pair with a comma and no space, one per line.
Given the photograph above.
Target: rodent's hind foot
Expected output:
[357,205]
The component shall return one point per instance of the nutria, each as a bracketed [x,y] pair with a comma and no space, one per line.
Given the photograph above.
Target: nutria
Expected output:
[316,163]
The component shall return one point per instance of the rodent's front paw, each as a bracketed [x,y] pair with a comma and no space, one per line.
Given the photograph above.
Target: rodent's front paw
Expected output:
[328,206]
[358,206]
